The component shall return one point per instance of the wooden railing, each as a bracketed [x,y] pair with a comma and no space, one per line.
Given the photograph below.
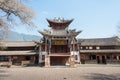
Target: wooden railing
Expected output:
[59,54]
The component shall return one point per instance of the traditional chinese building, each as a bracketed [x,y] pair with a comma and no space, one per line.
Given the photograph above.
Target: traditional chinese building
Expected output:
[18,52]
[59,45]
[100,50]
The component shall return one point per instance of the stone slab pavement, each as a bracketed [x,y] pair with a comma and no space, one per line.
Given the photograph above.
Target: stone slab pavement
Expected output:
[81,72]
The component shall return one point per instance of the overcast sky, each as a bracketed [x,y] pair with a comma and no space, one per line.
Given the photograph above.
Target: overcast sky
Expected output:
[96,18]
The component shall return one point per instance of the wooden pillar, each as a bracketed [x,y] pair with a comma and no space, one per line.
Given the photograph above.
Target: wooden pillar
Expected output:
[40,48]
[47,61]
[45,47]
[72,59]
[49,46]
[33,59]
[78,47]
[117,57]
[45,44]
[70,47]
[73,47]
[10,60]
[100,58]
[78,55]
[40,55]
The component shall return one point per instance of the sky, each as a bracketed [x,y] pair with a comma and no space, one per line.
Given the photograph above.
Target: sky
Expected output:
[96,18]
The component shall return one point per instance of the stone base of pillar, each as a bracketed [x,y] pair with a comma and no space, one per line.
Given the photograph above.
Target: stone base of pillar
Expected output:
[72,61]
[47,61]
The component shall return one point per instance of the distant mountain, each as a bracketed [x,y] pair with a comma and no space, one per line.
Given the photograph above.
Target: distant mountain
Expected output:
[14,36]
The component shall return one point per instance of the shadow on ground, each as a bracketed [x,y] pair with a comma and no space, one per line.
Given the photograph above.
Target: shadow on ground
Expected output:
[98,76]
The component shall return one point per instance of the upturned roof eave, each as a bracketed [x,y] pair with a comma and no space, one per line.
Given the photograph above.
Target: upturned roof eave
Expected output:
[43,33]
[67,35]
[38,42]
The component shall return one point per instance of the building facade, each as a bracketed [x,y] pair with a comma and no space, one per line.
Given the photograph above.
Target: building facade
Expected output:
[59,46]
[100,51]
[18,52]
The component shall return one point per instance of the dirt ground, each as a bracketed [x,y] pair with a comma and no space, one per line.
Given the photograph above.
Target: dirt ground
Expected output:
[81,72]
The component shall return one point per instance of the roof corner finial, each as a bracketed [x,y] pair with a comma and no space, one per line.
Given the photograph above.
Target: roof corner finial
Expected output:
[63,19]
[54,18]
[59,19]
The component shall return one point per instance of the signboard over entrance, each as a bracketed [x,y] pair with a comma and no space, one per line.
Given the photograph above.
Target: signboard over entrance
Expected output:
[59,42]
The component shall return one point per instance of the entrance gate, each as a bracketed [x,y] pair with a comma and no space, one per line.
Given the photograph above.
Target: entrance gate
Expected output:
[59,60]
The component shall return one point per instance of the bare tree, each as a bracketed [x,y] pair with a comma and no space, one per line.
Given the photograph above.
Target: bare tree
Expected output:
[18,9]
[14,9]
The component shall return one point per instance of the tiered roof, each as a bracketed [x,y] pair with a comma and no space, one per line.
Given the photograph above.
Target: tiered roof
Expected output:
[58,28]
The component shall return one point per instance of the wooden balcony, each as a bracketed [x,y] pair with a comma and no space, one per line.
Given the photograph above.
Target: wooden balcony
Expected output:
[59,54]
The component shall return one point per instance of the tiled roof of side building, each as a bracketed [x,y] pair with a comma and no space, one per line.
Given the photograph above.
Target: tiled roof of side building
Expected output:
[100,41]
[18,43]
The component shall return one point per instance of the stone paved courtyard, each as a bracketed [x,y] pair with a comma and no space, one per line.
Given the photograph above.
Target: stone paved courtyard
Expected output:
[82,72]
